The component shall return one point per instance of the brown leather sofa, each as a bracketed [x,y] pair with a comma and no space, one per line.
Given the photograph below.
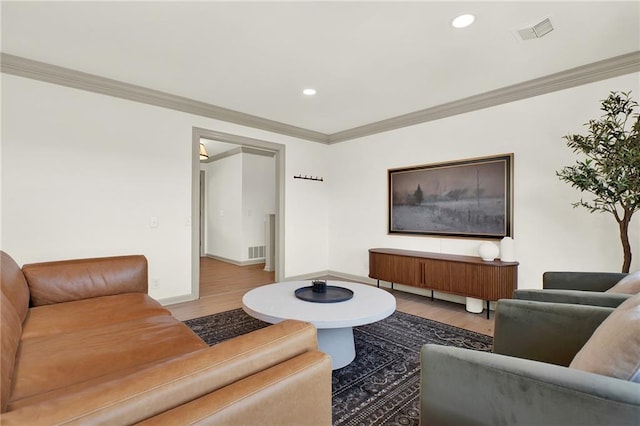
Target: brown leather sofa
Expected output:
[82,343]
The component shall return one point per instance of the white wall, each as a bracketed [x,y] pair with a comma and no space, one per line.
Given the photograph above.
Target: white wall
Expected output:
[258,199]
[82,173]
[223,210]
[549,233]
[240,191]
[308,217]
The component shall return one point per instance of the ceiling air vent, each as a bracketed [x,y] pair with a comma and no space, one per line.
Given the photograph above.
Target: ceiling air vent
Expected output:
[537,31]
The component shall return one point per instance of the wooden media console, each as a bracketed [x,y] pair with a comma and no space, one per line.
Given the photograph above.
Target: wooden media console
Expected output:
[468,276]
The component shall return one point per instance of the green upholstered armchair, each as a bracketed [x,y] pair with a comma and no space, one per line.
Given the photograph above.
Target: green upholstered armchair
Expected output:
[528,381]
[583,288]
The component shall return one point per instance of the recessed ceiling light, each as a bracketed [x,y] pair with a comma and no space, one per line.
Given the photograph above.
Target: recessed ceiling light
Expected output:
[463,21]
[309,92]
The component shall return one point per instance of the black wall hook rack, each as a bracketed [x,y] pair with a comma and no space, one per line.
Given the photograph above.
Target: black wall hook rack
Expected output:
[319,179]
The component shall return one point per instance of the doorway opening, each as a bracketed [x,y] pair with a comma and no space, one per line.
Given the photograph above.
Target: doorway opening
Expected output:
[243,144]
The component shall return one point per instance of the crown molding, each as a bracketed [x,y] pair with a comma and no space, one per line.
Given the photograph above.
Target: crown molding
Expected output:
[601,70]
[23,67]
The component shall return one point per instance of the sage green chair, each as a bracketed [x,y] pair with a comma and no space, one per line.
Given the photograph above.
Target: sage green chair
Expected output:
[582,288]
[527,379]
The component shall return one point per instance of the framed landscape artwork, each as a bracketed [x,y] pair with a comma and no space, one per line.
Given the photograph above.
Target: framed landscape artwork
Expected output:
[466,198]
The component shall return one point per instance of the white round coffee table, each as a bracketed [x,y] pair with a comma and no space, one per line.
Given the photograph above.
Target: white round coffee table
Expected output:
[335,321]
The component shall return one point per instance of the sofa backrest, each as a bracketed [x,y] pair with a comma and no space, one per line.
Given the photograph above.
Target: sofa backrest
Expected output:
[67,280]
[14,308]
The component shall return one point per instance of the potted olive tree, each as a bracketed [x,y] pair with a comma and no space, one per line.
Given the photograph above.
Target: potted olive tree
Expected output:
[610,168]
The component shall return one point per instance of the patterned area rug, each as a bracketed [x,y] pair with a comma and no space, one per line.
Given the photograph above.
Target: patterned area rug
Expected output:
[382,385]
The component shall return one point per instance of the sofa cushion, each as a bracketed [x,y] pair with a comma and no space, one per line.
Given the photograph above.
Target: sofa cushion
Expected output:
[614,348]
[50,362]
[628,285]
[89,313]
[67,280]
[185,377]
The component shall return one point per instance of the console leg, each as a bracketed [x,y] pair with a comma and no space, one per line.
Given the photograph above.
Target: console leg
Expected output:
[432,295]
[487,309]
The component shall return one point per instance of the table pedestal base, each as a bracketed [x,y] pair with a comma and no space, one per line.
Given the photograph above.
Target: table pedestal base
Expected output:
[339,344]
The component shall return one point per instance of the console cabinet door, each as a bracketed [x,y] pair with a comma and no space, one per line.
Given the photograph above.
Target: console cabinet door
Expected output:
[381,266]
[443,276]
[474,283]
[490,283]
[435,275]
[396,269]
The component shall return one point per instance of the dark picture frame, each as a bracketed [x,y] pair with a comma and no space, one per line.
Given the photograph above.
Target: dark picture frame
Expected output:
[470,198]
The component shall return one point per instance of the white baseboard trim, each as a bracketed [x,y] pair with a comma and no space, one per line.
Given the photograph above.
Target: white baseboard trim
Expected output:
[176,299]
[236,262]
[352,277]
[308,276]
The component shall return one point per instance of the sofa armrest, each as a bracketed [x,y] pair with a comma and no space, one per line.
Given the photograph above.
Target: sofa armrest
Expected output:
[547,332]
[148,391]
[586,281]
[67,280]
[296,392]
[575,297]
[461,386]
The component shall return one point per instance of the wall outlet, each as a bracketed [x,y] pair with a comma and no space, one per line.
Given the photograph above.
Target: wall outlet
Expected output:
[155,283]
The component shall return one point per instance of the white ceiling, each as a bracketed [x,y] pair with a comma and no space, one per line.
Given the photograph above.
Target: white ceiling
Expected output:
[369,61]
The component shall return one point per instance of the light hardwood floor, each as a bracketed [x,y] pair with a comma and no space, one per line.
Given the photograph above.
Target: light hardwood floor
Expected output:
[222,286]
